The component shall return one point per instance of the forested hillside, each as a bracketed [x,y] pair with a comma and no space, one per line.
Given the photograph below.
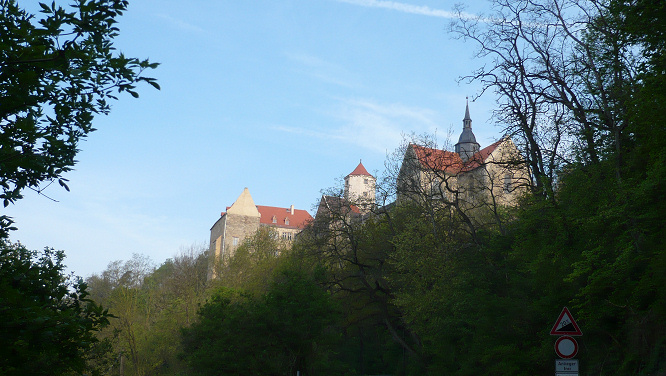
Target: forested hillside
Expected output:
[418,287]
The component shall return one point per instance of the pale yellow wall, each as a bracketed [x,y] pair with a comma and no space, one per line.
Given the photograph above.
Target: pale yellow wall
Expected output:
[360,190]
[475,189]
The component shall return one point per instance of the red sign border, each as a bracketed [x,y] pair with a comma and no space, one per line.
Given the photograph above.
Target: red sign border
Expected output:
[575,347]
[555,332]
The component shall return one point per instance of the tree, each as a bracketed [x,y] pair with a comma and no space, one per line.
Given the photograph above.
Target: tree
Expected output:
[280,332]
[47,320]
[56,73]
[257,257]
[581,83]
[563,72]
[351,250]
[119,288]
[150,305]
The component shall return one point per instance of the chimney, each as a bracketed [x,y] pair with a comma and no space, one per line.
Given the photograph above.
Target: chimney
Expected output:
[291,209]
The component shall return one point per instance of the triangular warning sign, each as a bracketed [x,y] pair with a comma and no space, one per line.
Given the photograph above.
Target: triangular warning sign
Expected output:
[565,325]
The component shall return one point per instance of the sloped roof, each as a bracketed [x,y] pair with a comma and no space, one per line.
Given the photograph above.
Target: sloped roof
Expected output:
[338,205]
[299,219]
[436,159]
[360,170]
[450,162]
[245,206]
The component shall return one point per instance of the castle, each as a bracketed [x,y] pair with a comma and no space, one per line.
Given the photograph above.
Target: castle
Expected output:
[358,197]
[470,178]
[244,218]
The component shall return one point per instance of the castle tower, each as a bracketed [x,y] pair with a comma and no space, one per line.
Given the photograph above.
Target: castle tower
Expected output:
[360,188]
[240,221]
[467,145]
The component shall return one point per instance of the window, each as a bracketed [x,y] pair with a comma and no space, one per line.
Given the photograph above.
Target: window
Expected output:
[507,183]
[286,221]
[287,236]
[365,181]
[434,188]
[274,219]
[236,240]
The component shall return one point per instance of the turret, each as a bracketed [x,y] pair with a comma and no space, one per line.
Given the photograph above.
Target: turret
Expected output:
[360,187]
[467,145]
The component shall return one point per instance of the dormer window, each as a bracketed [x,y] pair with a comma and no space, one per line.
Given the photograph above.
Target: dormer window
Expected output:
[286,221]
[274,219]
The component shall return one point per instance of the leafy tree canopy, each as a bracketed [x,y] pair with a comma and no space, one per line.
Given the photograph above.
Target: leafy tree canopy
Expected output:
[285,330]
[47,320]
[57,70]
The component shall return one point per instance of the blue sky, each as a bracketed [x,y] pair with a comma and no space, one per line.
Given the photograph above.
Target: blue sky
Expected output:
[282,97]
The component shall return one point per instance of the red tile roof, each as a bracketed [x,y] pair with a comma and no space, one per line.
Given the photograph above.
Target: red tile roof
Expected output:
[436,159]
[299,219]
[360,170]
[481,156]
[450,162]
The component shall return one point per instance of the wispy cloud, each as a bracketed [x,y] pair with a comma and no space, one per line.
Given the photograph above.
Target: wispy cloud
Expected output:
[322,70]
[311,61]
[370,125]
[182,25]
[402,7]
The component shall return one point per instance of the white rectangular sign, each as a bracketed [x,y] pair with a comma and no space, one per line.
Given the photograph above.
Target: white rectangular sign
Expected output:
[566,365]
[566,374]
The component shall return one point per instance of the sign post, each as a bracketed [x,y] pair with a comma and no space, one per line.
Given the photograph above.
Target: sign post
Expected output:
[566,346]
[565,325]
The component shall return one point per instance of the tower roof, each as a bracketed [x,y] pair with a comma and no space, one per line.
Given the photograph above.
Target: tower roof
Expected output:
[360,170]
[467,145]
[467,117]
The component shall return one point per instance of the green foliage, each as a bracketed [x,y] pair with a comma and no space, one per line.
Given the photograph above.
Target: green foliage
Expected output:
[57,72]
[284,330]
[417,288]
[150,306]
[255,259]
[47,320]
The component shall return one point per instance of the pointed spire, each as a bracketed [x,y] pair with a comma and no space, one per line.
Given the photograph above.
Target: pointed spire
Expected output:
[467,117]
[467,121]
[467,145]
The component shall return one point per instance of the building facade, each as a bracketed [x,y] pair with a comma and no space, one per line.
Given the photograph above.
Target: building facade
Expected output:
[469,177]
[358,197]
[243,219]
